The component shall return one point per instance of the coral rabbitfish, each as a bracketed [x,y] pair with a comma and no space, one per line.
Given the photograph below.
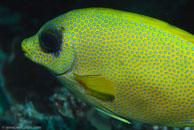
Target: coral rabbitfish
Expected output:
[127,65]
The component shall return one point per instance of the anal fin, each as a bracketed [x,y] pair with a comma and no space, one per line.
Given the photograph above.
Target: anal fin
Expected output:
[114,116]
[188,123]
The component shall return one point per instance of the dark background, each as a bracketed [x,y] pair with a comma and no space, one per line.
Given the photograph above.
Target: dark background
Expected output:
[24,17]
[26,81]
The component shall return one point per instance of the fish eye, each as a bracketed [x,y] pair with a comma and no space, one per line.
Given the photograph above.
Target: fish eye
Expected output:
[48,42]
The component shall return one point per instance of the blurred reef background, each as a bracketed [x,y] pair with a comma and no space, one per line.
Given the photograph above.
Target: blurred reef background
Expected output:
[30,95]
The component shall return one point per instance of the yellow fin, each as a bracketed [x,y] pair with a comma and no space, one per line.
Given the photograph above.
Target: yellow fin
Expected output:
[114,116]
[188,123]
[97,86]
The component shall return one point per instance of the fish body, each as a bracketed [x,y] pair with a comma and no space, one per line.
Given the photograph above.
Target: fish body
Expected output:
[125,64]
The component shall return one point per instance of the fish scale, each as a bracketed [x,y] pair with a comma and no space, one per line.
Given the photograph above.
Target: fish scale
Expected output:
[149,62]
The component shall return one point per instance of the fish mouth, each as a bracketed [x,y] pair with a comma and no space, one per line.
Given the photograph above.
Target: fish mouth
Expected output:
[25,49]
[24,52]
[27,54]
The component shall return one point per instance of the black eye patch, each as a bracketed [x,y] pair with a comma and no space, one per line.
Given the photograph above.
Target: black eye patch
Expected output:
[48,42]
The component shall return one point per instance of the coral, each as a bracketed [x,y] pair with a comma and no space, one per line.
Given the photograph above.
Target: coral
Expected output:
[68,105]
[26,115]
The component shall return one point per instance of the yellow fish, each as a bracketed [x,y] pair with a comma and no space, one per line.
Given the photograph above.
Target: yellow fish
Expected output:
[127,65]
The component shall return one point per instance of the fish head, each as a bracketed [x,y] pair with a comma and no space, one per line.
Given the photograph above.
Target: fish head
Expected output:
[51,48]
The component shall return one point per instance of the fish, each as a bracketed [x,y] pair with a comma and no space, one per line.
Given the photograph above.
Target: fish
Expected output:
[129,66]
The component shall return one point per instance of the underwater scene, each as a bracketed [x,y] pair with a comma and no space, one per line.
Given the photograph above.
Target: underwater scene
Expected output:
[97,65]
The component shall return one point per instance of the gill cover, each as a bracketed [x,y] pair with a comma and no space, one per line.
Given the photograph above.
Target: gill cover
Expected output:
[50,49]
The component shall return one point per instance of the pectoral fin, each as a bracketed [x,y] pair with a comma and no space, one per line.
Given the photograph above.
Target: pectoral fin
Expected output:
[97,86]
